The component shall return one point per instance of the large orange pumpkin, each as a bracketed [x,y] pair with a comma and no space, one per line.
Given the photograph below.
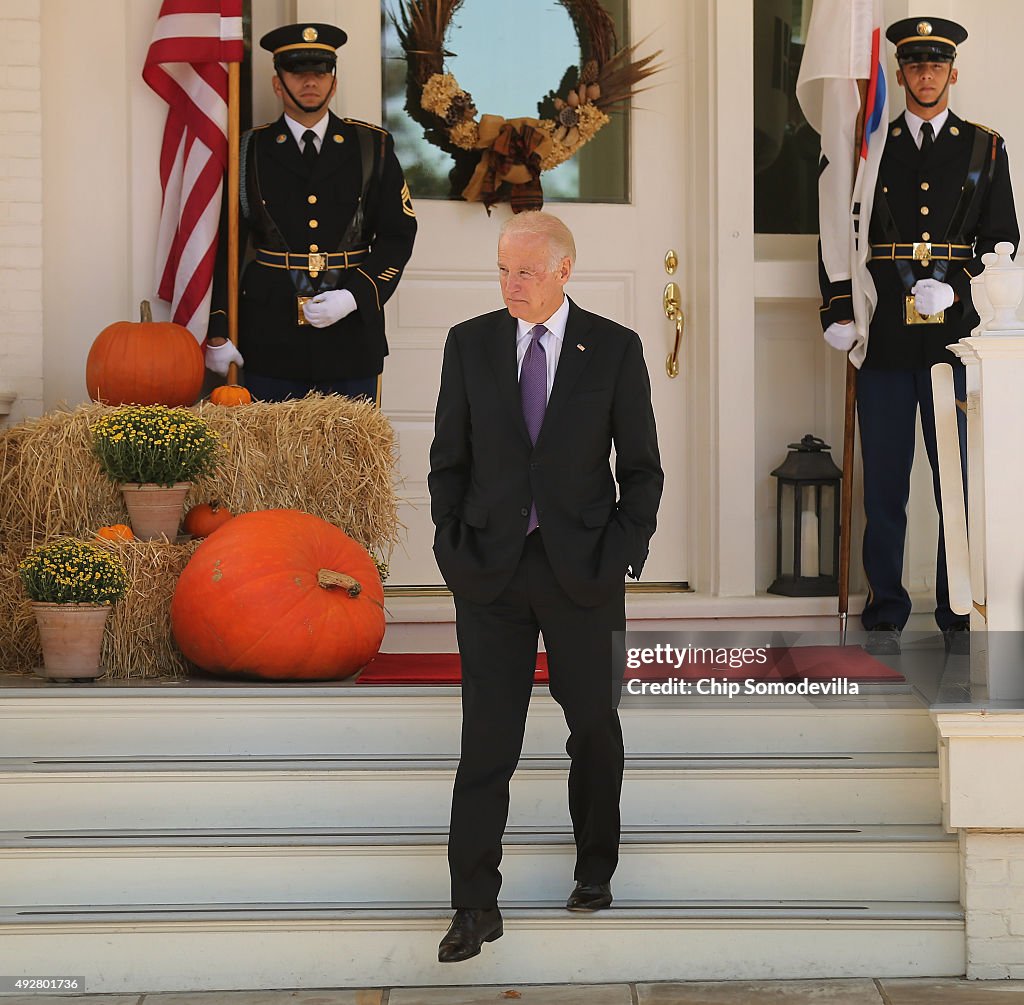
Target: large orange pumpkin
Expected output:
[279,594]
[145,362]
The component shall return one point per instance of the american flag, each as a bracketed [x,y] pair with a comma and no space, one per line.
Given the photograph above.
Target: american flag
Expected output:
[844,47]
[186,65]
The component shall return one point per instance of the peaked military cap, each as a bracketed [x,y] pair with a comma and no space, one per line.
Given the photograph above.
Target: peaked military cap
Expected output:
[300,48]
[926,39]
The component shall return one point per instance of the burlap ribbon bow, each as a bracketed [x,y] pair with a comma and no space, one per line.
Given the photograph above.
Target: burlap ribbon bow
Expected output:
[512,151]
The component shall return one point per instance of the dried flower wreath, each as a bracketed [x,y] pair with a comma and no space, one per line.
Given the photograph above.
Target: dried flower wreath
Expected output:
[507,156]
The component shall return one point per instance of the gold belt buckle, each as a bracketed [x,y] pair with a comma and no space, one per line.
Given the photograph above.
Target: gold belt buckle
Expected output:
[911,315]
[317,263]
[923,252]
[300,317]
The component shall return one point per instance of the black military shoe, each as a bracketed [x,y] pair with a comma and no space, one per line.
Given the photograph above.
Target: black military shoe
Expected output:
[883,640]
[957,640]
[590,897]
[470,928]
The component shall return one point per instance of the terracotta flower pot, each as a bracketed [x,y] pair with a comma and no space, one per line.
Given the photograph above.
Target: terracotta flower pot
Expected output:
[72,639]
[155,510]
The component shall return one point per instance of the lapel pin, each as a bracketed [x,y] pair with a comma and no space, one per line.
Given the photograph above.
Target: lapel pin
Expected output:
[581,347]
[281,137]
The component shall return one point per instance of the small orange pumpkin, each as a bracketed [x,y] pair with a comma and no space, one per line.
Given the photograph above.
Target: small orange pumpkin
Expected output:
[145,363]
[279,594]
[230,394]
[115,532]
[204,519]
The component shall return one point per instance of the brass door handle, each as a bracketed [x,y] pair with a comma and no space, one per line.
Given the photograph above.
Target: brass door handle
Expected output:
[672,302]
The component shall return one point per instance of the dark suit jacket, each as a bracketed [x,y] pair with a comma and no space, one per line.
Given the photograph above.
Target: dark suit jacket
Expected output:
[287,208]
[484,471]
[922,192]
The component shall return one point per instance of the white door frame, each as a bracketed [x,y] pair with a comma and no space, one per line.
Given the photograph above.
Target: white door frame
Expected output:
[718,292]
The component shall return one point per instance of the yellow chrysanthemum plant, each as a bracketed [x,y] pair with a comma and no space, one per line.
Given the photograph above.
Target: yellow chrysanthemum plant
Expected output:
[154,444]
[70,571]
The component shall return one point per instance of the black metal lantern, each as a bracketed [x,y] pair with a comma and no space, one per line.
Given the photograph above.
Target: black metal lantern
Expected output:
[806,551]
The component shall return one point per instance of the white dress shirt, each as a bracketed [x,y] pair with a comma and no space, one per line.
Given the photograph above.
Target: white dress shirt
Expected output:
[551,341]
[914,123]
[297,129]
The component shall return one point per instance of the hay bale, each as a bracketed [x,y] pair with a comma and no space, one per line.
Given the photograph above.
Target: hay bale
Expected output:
[19,640]
[137,641]
[327,455]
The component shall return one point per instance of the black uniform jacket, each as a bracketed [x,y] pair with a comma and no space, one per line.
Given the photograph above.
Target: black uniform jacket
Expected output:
[484,471]
[922,192]
[285,207]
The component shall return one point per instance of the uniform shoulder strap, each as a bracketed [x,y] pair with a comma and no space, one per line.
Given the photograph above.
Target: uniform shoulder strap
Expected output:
[987,129]
[359,123]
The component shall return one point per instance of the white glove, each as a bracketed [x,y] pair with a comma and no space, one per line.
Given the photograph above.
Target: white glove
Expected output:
[329,307]
[841,336]
[220,357]
[931,296]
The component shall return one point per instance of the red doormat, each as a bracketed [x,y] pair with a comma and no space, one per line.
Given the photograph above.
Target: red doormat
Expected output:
[814,663]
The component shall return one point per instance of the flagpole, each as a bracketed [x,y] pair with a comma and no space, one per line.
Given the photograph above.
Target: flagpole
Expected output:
[849,428]
[234,100]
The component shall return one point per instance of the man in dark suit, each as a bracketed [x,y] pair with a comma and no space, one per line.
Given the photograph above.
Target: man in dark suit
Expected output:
[942,201]
[331,226]
[530,537]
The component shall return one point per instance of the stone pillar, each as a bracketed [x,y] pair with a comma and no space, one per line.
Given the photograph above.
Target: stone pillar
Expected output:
[981,751]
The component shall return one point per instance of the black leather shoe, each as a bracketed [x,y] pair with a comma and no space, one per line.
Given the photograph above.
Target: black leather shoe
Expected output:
[957,640]
[590,897]
[470,928]
[883,640]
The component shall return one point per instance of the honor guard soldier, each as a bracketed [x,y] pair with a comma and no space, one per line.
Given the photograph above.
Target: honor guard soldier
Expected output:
[330,227]
[943,200]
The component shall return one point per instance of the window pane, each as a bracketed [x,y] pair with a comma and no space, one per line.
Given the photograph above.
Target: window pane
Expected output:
[786,148]
[509,57]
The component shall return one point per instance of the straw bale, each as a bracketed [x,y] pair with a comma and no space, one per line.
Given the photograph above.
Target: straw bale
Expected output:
[327,455]
[19,640]
[137,642]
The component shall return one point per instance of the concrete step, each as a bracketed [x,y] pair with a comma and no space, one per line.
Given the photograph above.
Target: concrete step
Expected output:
[295,866]
[296,720]
[197,947]
[666,790]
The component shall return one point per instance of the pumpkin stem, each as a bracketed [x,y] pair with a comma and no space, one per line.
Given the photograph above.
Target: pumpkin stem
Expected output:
[328,577]
[146,312]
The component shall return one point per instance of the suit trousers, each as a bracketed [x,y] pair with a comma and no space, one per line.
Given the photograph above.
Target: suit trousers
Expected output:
[887,407]
[498,646]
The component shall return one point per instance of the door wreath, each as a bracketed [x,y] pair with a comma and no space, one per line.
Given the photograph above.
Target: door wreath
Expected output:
[498,159]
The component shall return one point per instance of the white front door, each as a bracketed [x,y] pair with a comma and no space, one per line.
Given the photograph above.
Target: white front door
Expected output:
[620,273]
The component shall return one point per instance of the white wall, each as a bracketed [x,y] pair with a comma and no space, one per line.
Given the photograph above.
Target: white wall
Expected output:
[21,207]
[99,179]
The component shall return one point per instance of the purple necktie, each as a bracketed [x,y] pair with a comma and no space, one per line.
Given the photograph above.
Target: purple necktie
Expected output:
[533,389]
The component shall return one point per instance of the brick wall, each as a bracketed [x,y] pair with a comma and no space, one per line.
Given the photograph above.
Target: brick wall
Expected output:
[994,903]
[21,206]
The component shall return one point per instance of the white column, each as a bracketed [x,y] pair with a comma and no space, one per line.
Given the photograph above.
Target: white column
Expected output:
[21,211]
[994,358]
